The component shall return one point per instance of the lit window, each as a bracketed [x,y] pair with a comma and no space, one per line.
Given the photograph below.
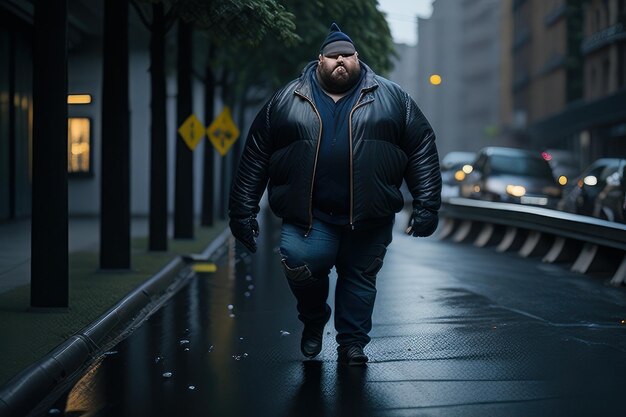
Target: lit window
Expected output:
[78,99]
[79,145]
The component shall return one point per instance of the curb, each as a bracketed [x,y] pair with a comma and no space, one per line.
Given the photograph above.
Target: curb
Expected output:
[28,388]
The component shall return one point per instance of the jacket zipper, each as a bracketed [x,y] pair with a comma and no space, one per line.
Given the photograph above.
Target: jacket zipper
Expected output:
[359,104]
[319,140]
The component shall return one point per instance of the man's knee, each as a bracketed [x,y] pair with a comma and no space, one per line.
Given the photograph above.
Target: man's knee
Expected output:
[371,271]
[296,271]
[373,263]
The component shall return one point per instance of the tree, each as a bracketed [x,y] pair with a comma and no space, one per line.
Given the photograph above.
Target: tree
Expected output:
[263,67]
[207,211]
[270,65]
[183,185]
[227,26]
[158,17]
[225,22]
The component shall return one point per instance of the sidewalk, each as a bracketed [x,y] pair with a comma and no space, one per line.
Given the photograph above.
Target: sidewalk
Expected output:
[84,234]
[26,335]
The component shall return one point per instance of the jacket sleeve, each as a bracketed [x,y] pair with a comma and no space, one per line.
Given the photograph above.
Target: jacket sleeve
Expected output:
[422,175]
[252,174]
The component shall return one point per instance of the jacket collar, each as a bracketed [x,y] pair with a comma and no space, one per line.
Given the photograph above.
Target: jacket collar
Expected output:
[304,87]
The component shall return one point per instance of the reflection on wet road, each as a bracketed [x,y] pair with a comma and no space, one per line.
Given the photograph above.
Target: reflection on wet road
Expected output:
[458,331]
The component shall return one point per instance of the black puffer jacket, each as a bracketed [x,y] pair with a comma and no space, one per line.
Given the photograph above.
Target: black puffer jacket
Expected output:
[390,140]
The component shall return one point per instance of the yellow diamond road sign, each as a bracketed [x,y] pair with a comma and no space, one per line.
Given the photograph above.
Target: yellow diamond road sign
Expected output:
[223,132]
[192,130]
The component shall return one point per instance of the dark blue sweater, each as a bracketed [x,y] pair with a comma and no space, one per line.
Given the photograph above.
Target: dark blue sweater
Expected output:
[331,190]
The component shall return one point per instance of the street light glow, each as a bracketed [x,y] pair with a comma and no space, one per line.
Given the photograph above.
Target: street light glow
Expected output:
[435,79]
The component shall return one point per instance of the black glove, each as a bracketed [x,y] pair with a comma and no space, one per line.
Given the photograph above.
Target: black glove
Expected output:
[423,222]
[245,230]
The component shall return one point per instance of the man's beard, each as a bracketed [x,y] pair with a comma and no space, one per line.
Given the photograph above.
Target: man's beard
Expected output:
[337,81]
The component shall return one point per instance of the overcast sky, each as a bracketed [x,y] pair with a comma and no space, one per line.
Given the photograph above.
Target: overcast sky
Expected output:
[401,16]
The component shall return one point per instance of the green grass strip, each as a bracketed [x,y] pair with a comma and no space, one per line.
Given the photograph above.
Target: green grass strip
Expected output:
[27,336]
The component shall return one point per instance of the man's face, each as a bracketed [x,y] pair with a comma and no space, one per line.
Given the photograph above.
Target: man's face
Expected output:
[339,73]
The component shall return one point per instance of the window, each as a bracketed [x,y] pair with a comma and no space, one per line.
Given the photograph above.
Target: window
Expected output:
[594,87]
[606,76]
[621,66]
[520,165]
[79,146]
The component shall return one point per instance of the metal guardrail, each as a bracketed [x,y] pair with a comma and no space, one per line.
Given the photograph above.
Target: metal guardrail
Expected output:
[589,245]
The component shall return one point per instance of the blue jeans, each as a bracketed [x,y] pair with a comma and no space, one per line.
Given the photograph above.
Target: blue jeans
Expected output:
[357,256]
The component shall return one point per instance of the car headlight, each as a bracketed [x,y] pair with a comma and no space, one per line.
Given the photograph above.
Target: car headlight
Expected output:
[515,190]
[467,168]
[590,180]
[459,175]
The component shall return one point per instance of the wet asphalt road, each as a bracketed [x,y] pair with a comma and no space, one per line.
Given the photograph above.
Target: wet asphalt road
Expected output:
[458,331]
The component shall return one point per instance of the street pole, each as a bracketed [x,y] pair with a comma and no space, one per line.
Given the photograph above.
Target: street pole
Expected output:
[115,185]
[49,228]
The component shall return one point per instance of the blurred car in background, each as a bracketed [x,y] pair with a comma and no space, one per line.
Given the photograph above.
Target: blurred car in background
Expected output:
[454,168]
[610,204]
[580,199]
[565,167]
[512,176]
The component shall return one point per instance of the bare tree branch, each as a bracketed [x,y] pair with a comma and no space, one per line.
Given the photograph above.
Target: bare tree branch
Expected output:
[142,15]
[171,16]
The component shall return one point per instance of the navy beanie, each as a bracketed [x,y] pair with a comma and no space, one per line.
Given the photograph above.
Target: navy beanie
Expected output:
[337,43]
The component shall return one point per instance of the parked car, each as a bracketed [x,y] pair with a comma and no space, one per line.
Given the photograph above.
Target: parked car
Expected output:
[454,168]
[580,198]
[513,176]
[610,204]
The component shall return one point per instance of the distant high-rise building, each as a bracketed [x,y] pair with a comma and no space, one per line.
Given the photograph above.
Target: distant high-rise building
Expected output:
[404,71]
[438,54]
[462,44]
[480,53]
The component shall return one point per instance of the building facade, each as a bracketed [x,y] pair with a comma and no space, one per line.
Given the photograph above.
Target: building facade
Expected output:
[462,42]
[569,76]
[604,48]
[438,51]
[84,118]
[404,71]
[546,61]
[604,75]
[16,110]
[481,25]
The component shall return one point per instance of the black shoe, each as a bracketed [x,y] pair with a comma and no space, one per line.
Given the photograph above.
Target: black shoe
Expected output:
[312,336]
[352,355]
